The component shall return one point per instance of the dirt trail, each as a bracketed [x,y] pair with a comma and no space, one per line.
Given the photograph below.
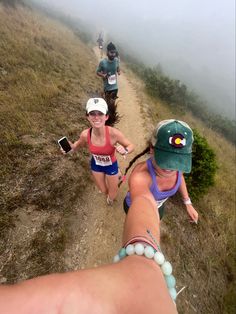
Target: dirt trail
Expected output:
[103,225]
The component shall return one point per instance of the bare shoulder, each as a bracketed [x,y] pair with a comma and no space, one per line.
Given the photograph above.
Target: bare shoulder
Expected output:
[114,132]
[140,174]
[83,136]
[140,167]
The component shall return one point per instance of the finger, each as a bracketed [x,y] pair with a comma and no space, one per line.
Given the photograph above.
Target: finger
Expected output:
[194,220]
[195,216]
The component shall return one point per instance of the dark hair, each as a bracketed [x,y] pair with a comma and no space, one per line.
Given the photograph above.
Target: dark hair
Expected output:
[145,151]
[114,116]
[111,46]
[111,101]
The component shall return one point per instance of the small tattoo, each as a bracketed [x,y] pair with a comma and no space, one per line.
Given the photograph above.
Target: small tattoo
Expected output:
[153,239]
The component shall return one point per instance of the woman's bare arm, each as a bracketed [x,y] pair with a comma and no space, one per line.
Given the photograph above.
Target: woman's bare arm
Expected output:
[133,286]
[189,207]
[119,138]
[82,141]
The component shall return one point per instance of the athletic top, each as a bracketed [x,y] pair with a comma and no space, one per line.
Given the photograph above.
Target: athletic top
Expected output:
[159,196]
[103,155]
[110,68]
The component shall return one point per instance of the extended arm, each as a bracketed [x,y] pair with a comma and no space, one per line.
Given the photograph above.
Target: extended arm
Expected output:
[186,200]
[139,183]
[80,142]
[135,285]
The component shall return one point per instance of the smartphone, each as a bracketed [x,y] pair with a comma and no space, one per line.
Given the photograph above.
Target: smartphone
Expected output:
[65,145]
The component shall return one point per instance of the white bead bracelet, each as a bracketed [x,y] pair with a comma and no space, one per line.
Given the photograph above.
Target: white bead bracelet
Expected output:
[150,253]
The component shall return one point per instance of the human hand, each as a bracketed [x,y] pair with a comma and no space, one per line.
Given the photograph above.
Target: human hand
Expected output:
[62,151]
[73,147]
[121,150]
[192,213]
[71,151]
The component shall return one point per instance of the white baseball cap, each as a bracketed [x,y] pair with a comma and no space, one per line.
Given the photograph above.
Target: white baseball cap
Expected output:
[98,104]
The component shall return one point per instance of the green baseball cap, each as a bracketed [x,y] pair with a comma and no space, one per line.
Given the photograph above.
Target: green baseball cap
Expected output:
[173,146]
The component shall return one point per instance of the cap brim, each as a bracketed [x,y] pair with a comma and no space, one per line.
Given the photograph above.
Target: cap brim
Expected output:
[173,161]
[96,108]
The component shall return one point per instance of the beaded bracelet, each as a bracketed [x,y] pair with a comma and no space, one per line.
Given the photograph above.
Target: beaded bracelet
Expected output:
[149,252]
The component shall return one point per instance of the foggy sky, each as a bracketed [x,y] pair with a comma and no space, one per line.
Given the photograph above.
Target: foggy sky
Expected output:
[194,40]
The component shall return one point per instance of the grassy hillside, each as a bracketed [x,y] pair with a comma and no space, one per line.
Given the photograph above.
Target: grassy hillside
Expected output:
[46,76]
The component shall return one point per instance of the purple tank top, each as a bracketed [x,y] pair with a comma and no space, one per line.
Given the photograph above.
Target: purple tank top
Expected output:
[159,196]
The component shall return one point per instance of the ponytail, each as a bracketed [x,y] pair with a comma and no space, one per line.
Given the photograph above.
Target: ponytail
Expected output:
[114,116]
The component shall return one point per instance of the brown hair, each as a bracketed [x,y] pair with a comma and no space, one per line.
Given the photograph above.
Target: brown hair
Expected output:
[114,116]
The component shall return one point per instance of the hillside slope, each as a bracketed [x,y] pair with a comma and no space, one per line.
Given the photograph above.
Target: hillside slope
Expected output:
[51,213]
[46,76]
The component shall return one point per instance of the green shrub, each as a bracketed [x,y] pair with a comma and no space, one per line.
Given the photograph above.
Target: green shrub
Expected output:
[204,167]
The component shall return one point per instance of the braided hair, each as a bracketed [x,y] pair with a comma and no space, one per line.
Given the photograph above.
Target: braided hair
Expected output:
[145,151]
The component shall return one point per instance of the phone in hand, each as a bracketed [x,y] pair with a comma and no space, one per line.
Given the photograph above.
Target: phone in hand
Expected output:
[65,145]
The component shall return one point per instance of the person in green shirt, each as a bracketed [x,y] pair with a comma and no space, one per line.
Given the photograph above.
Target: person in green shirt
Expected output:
[108,69]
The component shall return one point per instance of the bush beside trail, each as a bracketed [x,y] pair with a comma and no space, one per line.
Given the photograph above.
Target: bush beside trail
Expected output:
[204,167]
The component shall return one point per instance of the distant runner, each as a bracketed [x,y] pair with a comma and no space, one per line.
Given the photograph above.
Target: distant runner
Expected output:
[108,69]
[100,44]
[100,41]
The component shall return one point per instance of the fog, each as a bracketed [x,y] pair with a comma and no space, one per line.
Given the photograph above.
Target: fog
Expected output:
[193,40]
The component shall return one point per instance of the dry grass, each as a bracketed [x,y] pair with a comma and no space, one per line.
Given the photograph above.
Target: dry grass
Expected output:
[46,75]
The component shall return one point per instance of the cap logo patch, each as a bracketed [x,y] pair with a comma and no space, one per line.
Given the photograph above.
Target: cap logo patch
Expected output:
[96,100]
[177,140]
